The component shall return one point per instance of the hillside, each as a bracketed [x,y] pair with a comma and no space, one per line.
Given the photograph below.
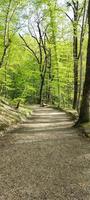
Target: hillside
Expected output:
[9,116]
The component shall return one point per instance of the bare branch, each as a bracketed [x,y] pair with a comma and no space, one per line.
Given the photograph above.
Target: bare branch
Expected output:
[33,36]
[69,17]
[70,5]
[13,12]
[40,33]
[30,49]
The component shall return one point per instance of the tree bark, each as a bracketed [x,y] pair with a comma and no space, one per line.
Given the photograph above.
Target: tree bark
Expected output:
[6,34]
[4,54]
[80,54]
[49,78]
[41,89]
[43,79]
[85,104]
[75,54]
[80,84]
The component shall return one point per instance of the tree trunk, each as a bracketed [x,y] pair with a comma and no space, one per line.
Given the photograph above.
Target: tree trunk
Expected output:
[80,85]
[85,104]
[80,56]
[75,83]
[43,79]
[41,89]
[75,56]
[49,78]
[52,10]
[4,54]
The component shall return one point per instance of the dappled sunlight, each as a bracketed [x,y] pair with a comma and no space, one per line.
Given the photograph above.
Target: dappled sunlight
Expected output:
[44,100]
[44,153]
[48,127]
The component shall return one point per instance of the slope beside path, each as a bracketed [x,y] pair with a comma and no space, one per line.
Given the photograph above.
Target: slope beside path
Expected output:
[45,159]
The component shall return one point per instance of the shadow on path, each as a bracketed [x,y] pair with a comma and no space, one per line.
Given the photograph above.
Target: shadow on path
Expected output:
[45,159]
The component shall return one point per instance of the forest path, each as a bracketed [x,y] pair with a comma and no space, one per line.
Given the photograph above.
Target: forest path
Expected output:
[45,159]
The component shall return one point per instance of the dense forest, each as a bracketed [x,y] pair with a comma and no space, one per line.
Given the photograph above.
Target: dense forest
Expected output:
[44,99]
[45,53]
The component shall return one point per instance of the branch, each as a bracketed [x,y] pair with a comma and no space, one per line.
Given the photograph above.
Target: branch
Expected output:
[13,12]
[70,5]
[40,42]
[79,15]
[66,15]
[41,38]
[33,36]
[69,17]
[30,49]
[74,5]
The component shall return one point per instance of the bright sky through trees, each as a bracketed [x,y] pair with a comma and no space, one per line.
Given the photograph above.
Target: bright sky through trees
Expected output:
[49,40]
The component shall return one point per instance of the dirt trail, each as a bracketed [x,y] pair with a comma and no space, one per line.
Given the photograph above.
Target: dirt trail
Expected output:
[45,159]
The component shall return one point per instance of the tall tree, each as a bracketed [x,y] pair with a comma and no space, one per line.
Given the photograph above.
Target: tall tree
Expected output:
[53,40]
[6,40]
[42,54]
[78,11]
[85,104]
[8,11]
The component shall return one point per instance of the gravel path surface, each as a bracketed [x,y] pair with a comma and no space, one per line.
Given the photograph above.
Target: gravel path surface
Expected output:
[45,159]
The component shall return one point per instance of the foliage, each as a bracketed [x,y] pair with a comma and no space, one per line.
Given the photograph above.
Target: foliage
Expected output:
[33,59]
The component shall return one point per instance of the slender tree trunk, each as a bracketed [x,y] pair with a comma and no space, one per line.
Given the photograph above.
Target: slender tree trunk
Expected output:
[49,77]
[80,56]
[3,56]
[75,56]
[5,80]
[85,104]
[80,85]
[43,78]
[75,83]
[53,39]
[6,35]
[41,89]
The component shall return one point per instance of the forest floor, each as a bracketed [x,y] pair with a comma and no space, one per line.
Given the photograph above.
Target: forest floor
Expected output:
[10,116]
[45,158]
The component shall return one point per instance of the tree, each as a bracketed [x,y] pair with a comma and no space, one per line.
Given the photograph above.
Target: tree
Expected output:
[6,42]
[78,11]
[85,104]
[47,54]
[9,24]
[53,24]
[41,54]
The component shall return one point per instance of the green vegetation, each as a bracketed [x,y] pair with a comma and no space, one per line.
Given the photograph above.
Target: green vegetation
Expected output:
[9,116]
[43,48]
